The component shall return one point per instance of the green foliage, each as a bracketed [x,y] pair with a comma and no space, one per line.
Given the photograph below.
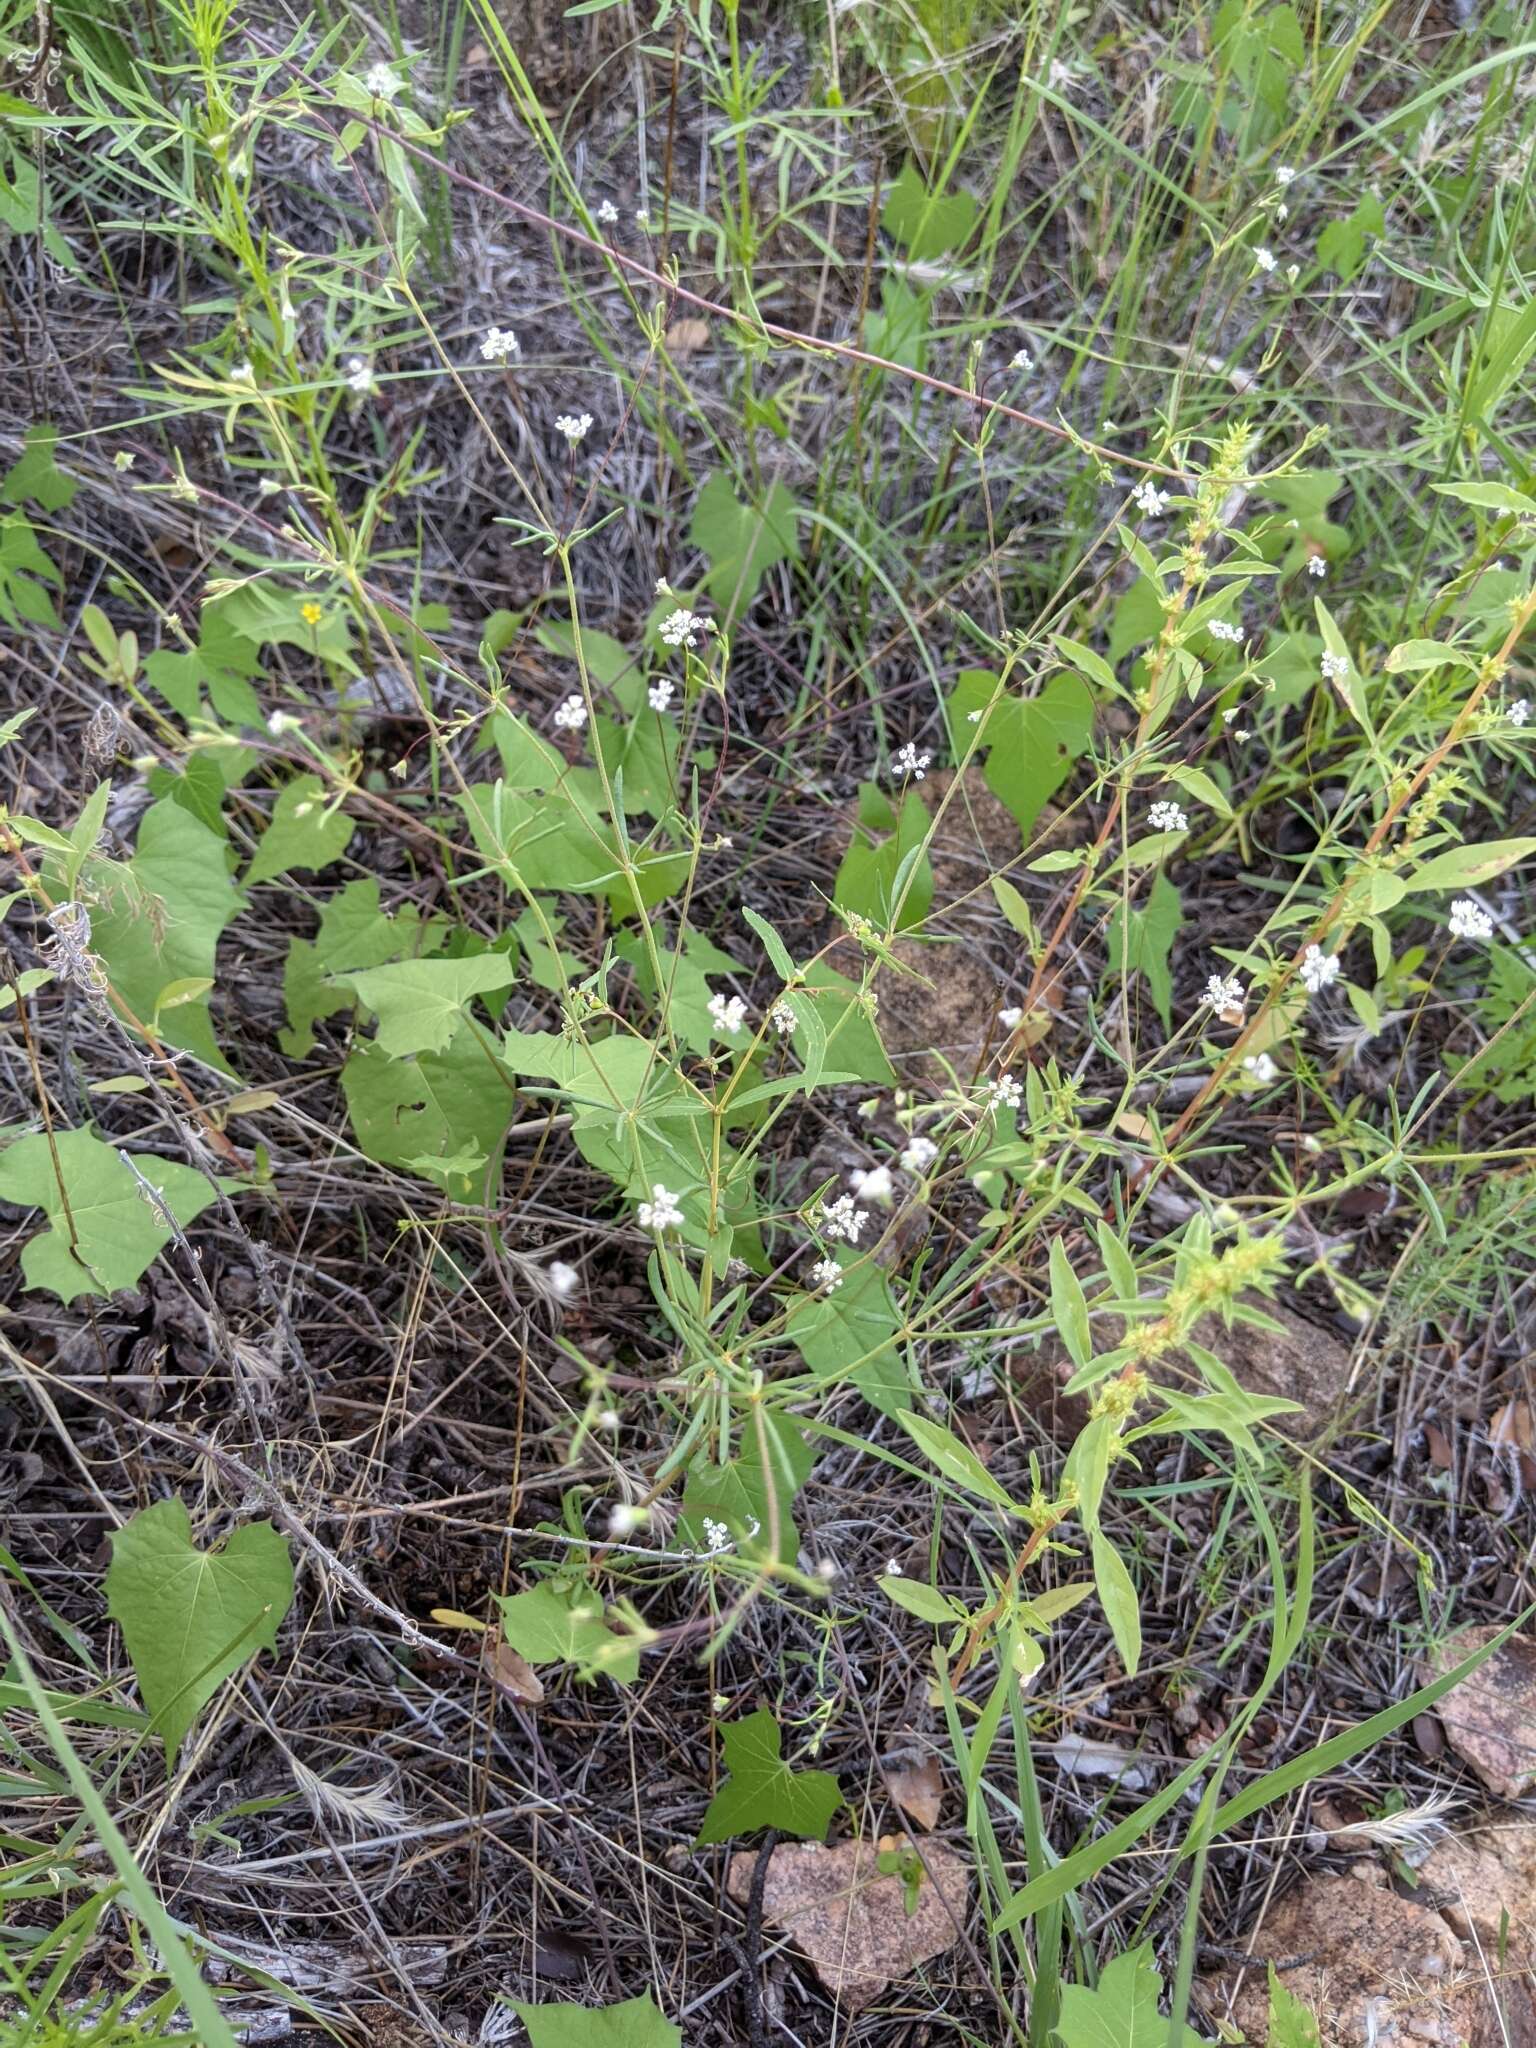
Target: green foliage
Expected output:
[1140,941]
[439,1115]
[160,921]
[885,874]
[561,1621]
[633,2023]
[1121,2011]
[742,541]
[762,1791]
[927,224]
[1030,743]
[190,1617]
[1291,2024]
[304,832]
[103,1230]
[355,932]
[420,1004]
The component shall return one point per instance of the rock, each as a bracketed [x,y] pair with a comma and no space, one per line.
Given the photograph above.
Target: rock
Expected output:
[1483,1886]
[1374,1968]
[853,1923]
[1490,1718]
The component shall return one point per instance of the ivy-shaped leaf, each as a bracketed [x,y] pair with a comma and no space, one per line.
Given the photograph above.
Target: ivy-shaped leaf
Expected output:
[355,931]
[743,542]
[564,1623]
[34,477]
[885,859]
[634,2023]
[1140,942]
[927,224]
[102,1231]
[1031,742]
[305,831]
[763,1792]
[419,1003]
[431,1114]
[1121,2011]
[191,1617]
[164,926]
[748,1497]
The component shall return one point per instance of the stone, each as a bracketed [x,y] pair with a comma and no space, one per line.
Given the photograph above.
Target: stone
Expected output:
[1490,1718]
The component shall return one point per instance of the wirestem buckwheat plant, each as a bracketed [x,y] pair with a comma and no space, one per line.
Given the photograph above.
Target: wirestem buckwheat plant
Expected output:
[771,1029]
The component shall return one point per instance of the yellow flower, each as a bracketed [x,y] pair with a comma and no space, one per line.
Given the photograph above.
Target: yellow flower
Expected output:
[311,614]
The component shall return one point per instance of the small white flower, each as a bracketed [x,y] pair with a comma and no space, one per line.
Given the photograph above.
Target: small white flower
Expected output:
[624,1518]
[124,459]
[1263,259]
[727,1014]
[242,373]
[875,1185]
[1261,1067]
[563,1279]
[1167,817]
[1335,667]
[1011,1018]
[1318,969]
[1224,992]
[267,487]
[1242,733]
[840,1219]
[607,213]
[827,1569]
[663,587]
[681,628]
[380,82]
[920,1154]
[661,1211]
[608,1418]
[1284,175]
[1468,920]
[1317,565]
[892,1568]
[717,1536]
[574,425]
[1149,499]
[1282,211]
[1520,711]
[498,345]
[643,220]
[1293,271]
[783,1019]
[660,693]
[1220,629]
[1004,1092]
[571,714]
[908,761]
[826,1276]
[359,377]
[1022,361]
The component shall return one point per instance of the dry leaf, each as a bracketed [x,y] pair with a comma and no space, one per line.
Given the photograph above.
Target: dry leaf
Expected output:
[852,1922]
[1510,1429]
[514,1674]
[918,1789]
[1438,1444]
[687,337]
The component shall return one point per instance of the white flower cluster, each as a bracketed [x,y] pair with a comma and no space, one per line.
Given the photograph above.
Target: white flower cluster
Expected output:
[727,1014]
[1317,565]
[1167,817]
[1220,629]
[607,212]
[1224,992]
[498,345]
[1264,259]
[1004,1092]
[1149,500]
[919,1155]
[359,378]
[571,713]
[1022,361]
[1335,667]
[826,1275]
[661,693]
[380,82]
[1520,711]
[783,1019]
[661,1212]
[1318,969]
[574,425]
[908,761]
[842,1219]
[1261,1067]
[1468,920]
[682,628]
